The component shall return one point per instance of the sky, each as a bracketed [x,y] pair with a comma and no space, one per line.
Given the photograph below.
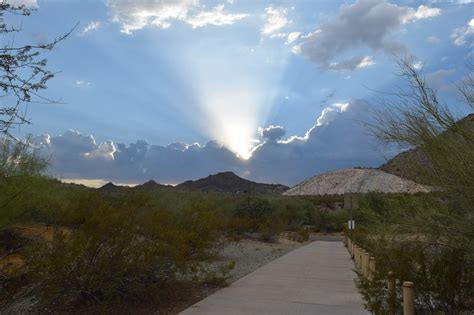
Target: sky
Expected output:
[275,91]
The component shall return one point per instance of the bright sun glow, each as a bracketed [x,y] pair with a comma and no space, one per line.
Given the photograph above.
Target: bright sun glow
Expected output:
[235,89]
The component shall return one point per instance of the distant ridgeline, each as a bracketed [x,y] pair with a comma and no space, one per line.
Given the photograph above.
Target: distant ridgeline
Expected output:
[225,182]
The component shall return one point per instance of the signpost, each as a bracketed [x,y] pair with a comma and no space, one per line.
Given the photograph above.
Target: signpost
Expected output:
[350,203]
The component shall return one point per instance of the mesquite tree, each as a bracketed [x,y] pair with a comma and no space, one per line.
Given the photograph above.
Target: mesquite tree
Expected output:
[22,69]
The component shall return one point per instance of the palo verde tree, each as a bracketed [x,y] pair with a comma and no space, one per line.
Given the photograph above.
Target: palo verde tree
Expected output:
[23,70]
[444,156]
[425,239]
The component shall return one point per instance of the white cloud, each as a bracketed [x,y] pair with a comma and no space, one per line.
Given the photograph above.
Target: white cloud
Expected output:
[82,83]
[275,20]
[217,17]
[26,3]
[91,26]
[104,151]
[336,140]
[353,63]
[296,49]
[418,65]
[137,14]
[367,61]
[292,37]
[364,25]
[422,12]
[460,34]
[331,112]
[433,40]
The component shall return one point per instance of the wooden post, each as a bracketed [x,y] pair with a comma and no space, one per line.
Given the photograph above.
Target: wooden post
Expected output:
[354,254]
[365,269]
[392,294]
[357,255]
[371,267]
[408,298]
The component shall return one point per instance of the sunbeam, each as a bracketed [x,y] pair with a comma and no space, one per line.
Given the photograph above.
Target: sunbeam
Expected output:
[236,89]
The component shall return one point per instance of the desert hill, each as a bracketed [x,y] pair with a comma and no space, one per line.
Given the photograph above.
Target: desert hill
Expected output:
[402,164]
[357,180]
[228,182]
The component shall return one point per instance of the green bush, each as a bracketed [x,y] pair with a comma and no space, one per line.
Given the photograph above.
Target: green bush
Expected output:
[121,250]
[443,278]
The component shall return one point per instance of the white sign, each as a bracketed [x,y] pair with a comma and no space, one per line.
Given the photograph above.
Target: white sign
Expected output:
[351,224]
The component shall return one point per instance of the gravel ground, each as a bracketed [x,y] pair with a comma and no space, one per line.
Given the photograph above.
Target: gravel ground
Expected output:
[249,255]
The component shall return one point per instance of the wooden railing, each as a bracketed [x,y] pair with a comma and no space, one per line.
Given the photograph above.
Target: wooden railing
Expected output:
[366,265]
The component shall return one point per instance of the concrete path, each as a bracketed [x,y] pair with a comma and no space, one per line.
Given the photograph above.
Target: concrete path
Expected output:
[314,279]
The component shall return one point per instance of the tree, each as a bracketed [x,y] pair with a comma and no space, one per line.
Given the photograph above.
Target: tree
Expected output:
[426,239]
[23,71]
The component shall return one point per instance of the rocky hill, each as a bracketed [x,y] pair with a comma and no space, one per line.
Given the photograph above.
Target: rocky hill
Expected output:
[355,180]
[404,163]
[150,186]
[111,187]
[228,182]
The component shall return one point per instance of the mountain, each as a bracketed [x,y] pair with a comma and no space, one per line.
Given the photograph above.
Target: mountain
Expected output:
[111,187]
[356,180]
[150,186]
[404,163]
[228,182]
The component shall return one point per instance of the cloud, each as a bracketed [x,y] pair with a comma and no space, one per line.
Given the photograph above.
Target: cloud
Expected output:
[272,133]
[330,113]
[26,3]
[459,35]
[364,25]
[74,153]
[418,65]
[275,20]
[336,140]
[217,17]
[292,37]
[357,62]
[82,83]
[135,15]
[91,26]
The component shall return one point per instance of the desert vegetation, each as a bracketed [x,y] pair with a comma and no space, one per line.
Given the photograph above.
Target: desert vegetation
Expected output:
[67,247]
[427,239]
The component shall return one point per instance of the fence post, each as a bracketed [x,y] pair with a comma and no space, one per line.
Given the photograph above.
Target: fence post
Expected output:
[356,255]
[392,294]
[408,298]
[365,263]
[371,267]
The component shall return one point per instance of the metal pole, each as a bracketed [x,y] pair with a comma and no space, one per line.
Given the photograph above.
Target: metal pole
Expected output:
[350,217]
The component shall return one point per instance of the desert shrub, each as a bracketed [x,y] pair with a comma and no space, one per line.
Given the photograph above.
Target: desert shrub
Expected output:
[20,180]
[333,220]
[121,250]
[443,277]
[297,213]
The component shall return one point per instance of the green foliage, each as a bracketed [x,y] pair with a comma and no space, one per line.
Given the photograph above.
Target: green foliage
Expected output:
[427,239]
[443,277]
[20,181]
[119,249]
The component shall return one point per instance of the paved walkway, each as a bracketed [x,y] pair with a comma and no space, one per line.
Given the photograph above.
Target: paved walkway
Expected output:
[314,279]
